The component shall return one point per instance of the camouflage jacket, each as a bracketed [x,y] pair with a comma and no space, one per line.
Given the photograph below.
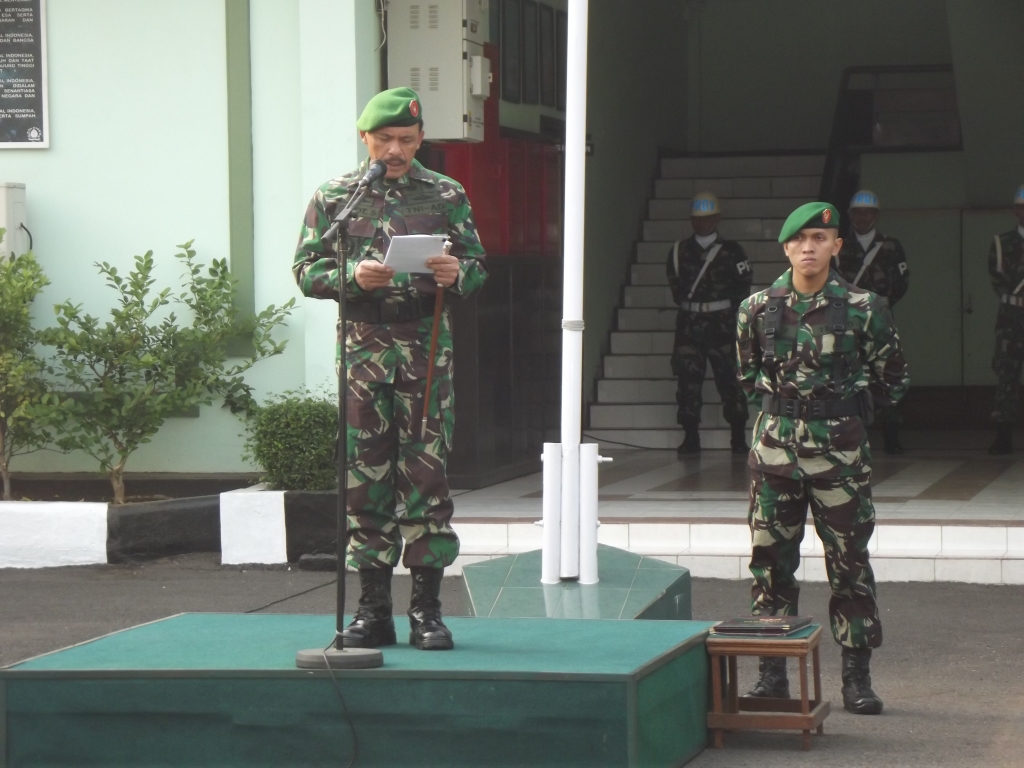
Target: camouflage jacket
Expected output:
[887,275]
[420,202]
[803,369]
[1007,273]
[728,277]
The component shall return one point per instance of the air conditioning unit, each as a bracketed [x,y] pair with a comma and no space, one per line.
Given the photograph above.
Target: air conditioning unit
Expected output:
[436,48]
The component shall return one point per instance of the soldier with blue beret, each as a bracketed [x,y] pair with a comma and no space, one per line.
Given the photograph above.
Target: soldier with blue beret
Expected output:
[709,277]
[1006,268]
[810,348]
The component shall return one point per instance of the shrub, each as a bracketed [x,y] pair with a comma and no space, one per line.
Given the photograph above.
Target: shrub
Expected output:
[22,383]
[126,376]
[292,438]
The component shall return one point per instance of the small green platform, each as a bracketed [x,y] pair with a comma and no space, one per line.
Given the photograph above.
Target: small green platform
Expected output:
[219,689]
[631,587]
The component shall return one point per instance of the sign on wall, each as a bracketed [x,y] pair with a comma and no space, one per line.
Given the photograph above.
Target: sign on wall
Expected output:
[24,120]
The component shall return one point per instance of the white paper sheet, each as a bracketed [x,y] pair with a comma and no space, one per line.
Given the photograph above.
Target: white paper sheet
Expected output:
[409,253]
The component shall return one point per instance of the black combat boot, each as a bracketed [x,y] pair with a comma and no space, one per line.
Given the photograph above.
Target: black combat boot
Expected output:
[691,441]
[373,625]
[773,683]
[1004,440]
[857,694]
[739,440]
[428,631]
[891,439]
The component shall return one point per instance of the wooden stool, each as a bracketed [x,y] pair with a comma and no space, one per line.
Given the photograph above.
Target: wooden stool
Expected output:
[731,712]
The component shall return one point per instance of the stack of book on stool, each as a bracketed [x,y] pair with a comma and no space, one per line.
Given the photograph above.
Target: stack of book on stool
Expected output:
[774,636]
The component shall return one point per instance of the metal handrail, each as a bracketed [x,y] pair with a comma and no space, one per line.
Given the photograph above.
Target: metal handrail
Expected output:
[838,151]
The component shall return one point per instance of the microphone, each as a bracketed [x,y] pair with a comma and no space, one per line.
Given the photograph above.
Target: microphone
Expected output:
[376,171]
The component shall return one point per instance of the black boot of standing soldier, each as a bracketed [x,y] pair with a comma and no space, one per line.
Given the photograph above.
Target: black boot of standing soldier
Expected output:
[858,697]
[739,440]
[1004,440]
[891,439]
[773,683]
[428,632]
[691,440]
[373,626]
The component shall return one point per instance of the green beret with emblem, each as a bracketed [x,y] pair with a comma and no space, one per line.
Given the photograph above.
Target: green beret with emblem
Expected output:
[810,216]
[395,107]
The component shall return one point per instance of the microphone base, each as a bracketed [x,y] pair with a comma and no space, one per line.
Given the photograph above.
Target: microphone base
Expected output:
[348,658]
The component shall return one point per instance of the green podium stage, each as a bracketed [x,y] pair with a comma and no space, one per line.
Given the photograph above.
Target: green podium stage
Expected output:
[219,689]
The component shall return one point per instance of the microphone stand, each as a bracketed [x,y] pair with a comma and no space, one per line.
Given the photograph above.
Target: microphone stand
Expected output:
[336,655]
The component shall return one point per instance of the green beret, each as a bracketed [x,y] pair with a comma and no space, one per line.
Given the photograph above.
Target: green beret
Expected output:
[810,216]
[397,107]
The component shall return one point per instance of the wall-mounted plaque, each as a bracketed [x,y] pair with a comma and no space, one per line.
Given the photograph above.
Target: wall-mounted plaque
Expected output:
[23,112]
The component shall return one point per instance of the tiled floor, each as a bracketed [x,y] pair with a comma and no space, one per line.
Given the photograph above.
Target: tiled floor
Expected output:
[921,486]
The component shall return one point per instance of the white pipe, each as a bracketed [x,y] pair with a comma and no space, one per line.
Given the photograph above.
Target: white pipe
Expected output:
[588,513]
[551,554]
[572,280]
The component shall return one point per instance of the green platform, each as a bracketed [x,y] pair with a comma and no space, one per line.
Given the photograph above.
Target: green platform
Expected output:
[218,689]
[630,587]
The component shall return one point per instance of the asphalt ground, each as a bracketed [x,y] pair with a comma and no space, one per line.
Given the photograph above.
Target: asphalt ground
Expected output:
[951,671]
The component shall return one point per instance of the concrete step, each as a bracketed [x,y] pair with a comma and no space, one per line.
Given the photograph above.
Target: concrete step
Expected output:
[649,275]
[721,549]
[642,342]
[648,296]
[637,367]
[730,229]
[648,391]
[746,208]
[741,167]
[804,187]
[656,252]
[655,319]
[650,416]
[667,438]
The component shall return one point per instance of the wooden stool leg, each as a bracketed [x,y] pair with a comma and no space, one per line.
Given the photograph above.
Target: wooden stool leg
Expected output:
[805,705]
[734,694]
[817,683]
[717,663]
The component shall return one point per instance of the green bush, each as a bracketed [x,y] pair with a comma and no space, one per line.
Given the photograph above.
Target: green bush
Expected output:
[292,439]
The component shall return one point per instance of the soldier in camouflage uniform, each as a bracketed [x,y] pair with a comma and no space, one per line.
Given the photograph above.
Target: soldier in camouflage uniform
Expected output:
[873,261]
[1006,266]
[387,338]
[709,277]
[810,440]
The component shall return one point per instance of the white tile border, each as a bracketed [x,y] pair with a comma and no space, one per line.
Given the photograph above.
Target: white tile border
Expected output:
[40,534]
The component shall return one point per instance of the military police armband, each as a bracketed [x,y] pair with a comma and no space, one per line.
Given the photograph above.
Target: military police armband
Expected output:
[743,266]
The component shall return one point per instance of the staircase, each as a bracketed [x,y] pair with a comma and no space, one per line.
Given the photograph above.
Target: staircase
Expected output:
[636,390]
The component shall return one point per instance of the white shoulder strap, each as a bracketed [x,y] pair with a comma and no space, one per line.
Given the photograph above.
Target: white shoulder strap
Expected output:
[868,258]
[707,263]
[999,254]
[675,257]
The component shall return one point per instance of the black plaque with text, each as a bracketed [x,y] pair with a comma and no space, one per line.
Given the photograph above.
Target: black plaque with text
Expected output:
[23,118]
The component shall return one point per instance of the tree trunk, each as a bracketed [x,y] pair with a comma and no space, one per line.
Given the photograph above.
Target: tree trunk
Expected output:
[5,467]
[117,481]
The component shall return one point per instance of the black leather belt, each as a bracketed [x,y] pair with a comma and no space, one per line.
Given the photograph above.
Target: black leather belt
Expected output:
[381,312]
[809,410]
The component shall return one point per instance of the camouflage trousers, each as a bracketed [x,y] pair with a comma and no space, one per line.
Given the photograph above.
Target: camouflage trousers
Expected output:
[391,464]
[1006,362]
[844,518]
[690,360]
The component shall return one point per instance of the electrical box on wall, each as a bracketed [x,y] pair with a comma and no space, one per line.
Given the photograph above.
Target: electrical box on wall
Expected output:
[12,217]
[436,48]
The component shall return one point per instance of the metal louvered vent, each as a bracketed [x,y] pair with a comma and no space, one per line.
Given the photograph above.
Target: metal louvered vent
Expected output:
[434,16]
[414,17]
[435,79]
[414,78]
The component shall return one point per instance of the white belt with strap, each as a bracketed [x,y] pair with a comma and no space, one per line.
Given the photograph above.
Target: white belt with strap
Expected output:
[707,306]
[1013,301]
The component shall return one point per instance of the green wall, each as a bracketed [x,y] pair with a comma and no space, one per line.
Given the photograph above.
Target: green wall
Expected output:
[635,103]
[770,69]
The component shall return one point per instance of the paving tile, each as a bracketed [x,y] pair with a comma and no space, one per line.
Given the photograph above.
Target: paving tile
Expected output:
[903,569]
[969,571]
[712,567]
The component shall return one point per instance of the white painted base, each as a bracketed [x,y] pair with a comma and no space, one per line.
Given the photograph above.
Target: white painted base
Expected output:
[37,534]
[252,528]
